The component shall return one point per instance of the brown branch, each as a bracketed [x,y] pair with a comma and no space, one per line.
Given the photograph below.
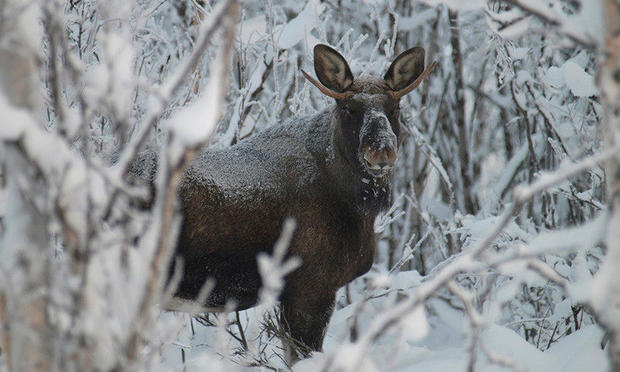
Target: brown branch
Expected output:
[6,337]
[461,123]
[52,29]
[253,96]
[242,339]
[547,119]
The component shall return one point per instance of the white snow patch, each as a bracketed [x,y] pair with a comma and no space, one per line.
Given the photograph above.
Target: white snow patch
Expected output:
[300,26]
[415,324]
[194,123]
[555,77]
[572,75]
[419,19]
[458,4]
[581,351]
[580,83]
[11,117]
[252,30]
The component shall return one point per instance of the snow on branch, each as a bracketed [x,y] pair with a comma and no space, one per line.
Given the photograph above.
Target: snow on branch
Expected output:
[165,93]
[581,27]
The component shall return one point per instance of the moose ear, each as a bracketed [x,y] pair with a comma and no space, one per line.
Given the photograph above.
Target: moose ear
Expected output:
[331,68]
[405,69]
[407,72]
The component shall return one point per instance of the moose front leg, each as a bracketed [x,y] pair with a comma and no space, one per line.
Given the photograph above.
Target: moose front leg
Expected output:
[304,317]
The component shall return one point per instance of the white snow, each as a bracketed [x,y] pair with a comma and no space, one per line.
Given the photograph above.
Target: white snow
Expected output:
[299,27]
[578,81]
[416,20]
[445,347]
[415,325]
[458,4]
[252,30]
[555,77]
[196,122]
[580,351]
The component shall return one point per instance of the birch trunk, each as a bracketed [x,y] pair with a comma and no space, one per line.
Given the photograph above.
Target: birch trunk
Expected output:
[607,285]
[23,302]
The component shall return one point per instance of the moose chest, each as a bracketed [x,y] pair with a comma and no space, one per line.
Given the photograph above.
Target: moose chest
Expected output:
[335,246]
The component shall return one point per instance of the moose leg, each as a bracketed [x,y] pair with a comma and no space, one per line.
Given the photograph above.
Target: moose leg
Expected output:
[305,319]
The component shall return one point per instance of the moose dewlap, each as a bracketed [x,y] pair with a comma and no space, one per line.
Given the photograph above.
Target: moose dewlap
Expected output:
[331,172]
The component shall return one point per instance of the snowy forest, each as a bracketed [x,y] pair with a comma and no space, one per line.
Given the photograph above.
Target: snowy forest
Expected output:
[501,248]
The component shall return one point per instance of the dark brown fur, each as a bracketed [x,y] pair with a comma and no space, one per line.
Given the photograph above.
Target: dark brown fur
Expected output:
[312,169]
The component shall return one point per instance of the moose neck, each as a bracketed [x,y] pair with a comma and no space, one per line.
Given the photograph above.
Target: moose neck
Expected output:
[370,195]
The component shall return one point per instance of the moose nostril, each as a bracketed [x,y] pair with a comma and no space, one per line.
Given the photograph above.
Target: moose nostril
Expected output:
[391,156]
[380,160]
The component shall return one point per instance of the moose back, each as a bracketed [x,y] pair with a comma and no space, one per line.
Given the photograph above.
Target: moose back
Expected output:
[331,172]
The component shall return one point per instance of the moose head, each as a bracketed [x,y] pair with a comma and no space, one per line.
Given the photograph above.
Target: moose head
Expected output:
[366,119]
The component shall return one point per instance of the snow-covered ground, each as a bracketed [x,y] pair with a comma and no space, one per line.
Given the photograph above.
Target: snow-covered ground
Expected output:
[437,339]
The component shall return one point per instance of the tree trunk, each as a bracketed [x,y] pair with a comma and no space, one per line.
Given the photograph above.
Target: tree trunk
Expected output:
[459,109]
[607,285]
[23,317]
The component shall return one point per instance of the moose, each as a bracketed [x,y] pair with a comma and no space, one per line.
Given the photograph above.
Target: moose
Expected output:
[331,172]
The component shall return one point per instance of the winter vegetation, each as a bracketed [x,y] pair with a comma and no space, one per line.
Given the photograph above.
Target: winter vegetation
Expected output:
[501,248]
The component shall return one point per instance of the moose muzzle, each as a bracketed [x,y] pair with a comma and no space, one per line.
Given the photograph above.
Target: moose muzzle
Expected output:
[378,144]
